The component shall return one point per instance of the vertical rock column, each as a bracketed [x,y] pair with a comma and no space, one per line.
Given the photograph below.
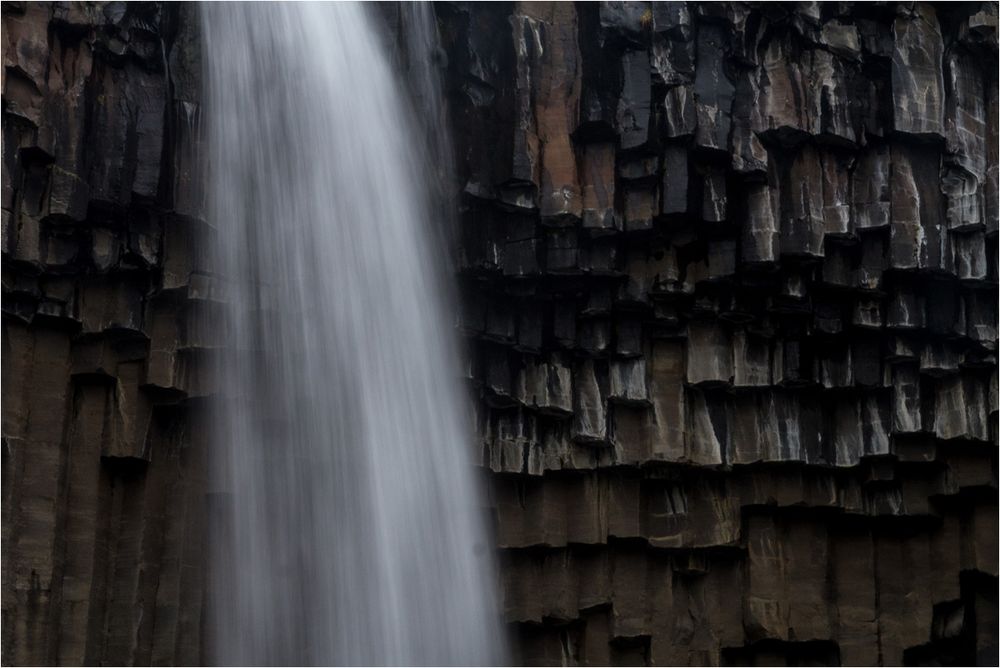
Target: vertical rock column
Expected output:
[107,318]
[757,243]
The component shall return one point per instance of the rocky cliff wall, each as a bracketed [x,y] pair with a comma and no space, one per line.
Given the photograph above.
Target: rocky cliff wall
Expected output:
[105,327]
[729,286]
[730,289]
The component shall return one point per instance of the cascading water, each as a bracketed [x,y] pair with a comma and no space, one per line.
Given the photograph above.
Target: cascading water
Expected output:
[352,530]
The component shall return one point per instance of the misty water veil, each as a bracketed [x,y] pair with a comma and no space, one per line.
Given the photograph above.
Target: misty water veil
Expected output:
[348,526]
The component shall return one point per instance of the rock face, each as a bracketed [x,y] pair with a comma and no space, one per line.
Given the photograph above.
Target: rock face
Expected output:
[736,386]
[729,283]
[106,325]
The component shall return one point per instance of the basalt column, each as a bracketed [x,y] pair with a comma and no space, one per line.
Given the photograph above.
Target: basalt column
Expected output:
[728,276]
[107,307]
[730,286]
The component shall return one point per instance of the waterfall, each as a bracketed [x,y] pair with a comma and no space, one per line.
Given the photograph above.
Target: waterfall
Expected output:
[350,528]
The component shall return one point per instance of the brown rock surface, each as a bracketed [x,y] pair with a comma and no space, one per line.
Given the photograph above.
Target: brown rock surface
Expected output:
[783,421]
[728,277]
[103,437]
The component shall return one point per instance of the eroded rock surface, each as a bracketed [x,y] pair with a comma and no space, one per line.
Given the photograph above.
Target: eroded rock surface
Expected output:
[774,320]
[108,318]
[729,285]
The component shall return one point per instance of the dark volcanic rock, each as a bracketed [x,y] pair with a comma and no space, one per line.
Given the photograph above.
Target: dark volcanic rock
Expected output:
[780,305]
[104,442]
[918,71]
[728,276]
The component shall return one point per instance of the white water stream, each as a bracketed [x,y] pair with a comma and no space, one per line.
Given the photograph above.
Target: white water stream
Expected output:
[353,530]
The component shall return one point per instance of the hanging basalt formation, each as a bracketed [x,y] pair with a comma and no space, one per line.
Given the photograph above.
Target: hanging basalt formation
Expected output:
[730,292]
[107,313]
[729,289]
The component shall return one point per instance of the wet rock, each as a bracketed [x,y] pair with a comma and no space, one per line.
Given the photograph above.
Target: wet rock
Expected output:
[870,192]
[679,108]
[562,250]
[633,118]
[709,354]
[712,90]
[128,128]
[917,79]
[836,168]
[963,202]
[549,59]
[598,179]
[761,239]
[627,381]
[970,256]
[781,84]
[546,386]
[672,56]
[589,413]
[713,206]
[714,237]
[748,153]
[802,212]
[751,360]
[965,111]
[625,19]
[917,238]
[708,436]
[675,180]
[600,76]
[831,87]
[841,38]
[640,208]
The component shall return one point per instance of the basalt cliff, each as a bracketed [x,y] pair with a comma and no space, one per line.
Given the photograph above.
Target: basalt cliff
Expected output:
[728,286]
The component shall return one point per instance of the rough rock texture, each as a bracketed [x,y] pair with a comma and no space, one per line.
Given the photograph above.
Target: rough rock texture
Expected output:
[105,310]
[729,280]
[730,287]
